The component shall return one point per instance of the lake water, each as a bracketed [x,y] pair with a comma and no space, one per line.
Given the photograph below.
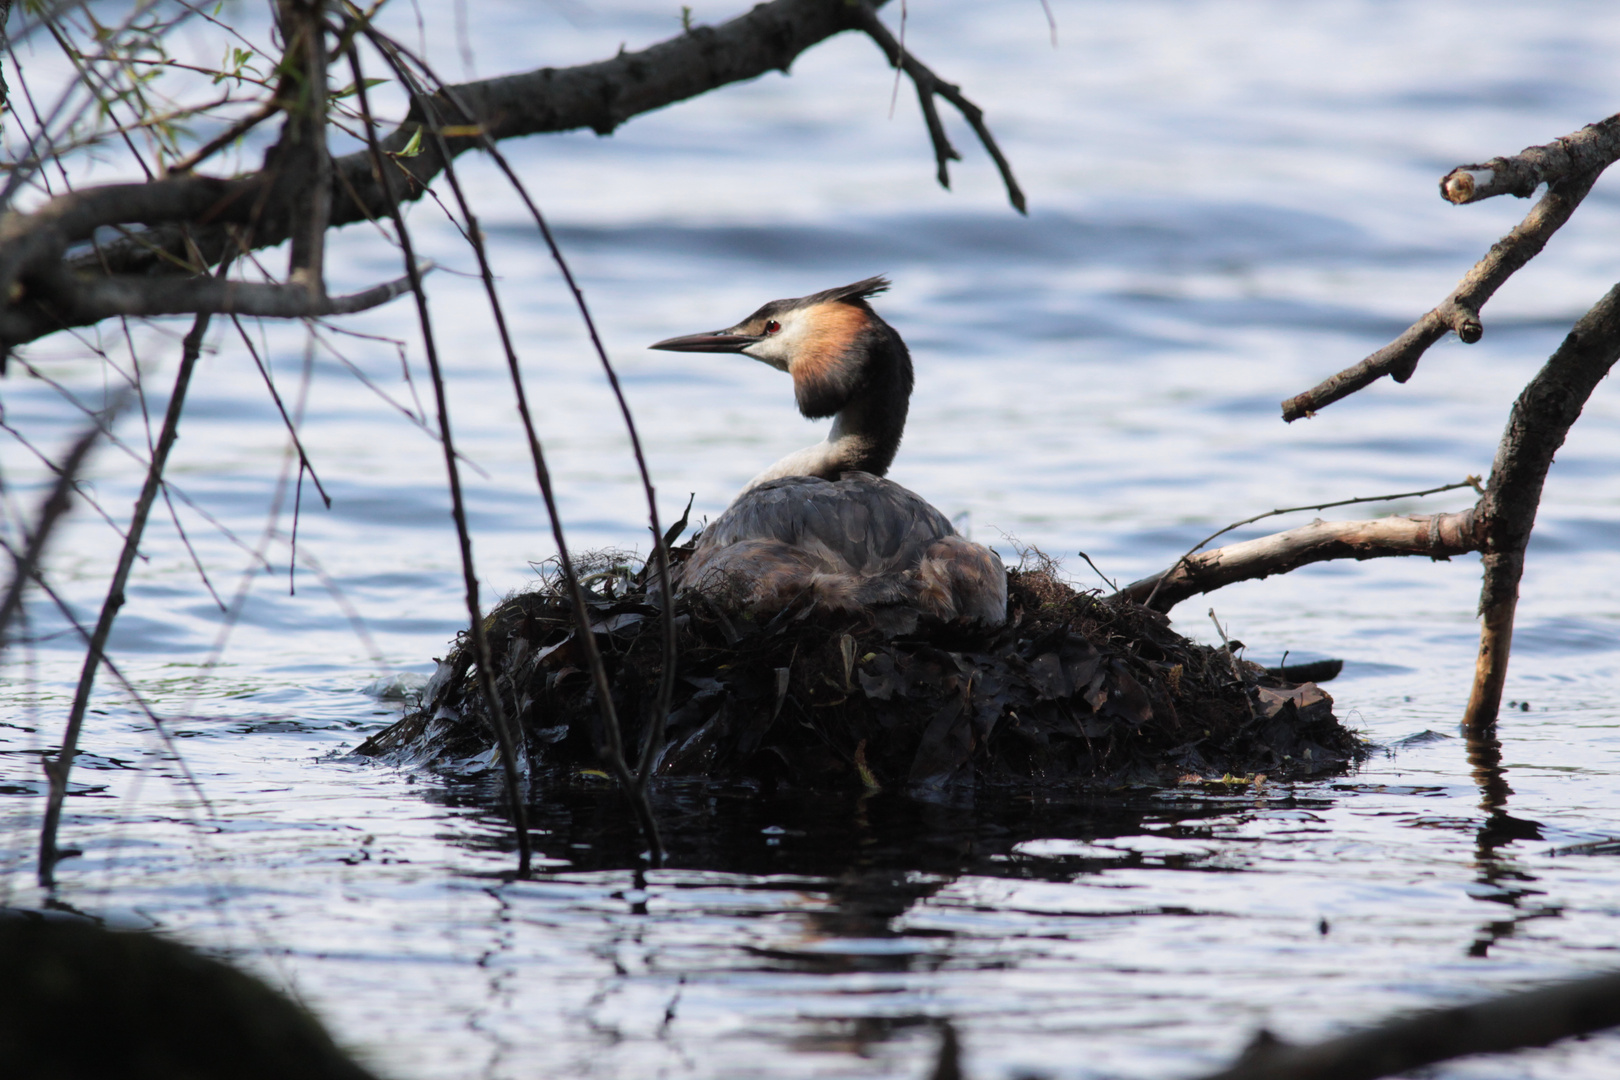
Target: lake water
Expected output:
[1228,202]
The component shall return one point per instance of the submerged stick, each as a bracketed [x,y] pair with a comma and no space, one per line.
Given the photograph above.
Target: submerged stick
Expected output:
[1509,1022]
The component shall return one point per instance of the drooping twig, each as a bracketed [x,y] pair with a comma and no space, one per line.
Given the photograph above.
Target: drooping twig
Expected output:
[128,687]
[56,504]
[1164,576]
[304,463]
[480,640]
[612,748]
[1501,1024]
[1437,536]
[1536,428]
[1458,312]
[930,86]
[57,771]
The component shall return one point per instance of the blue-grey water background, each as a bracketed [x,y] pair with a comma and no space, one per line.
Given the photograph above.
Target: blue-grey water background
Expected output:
[1228,202]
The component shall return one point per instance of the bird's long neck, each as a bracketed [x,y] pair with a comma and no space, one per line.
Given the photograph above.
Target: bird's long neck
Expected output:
[867,427]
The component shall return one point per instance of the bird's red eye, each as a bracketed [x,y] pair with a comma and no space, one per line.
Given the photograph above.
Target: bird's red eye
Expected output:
[772,326]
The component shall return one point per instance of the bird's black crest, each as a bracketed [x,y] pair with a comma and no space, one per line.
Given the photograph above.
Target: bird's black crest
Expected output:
[860,290]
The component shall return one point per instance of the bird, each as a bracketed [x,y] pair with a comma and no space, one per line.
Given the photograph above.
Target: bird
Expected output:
[822,524]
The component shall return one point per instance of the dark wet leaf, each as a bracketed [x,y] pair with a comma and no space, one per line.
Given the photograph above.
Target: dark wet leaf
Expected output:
[1128,701]
[946,743]
[1051,682]
[880,680]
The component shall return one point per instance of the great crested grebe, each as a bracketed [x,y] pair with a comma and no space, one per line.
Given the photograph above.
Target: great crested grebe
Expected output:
[822,522]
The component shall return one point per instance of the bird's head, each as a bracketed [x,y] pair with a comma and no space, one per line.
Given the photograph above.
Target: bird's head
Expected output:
[824,340]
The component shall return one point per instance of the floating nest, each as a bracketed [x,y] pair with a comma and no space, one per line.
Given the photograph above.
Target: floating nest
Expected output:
[1074,690]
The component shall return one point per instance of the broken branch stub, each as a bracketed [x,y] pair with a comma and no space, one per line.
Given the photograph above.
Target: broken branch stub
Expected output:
[1590,150]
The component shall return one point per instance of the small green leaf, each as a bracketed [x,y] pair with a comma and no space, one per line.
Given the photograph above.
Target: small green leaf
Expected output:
[414,147]
[351,90]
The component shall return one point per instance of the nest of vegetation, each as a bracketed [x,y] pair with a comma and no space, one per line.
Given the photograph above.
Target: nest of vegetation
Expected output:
[1075,689]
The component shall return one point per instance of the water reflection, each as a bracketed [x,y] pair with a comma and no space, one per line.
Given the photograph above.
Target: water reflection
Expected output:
[1500,878]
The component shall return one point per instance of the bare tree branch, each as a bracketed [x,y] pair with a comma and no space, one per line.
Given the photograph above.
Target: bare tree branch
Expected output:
[224,139]
[1590,150]
[611,749]
[1438,536]
[1458,312]
[1472,481]
[1501,1024]
[1536,428]
[599,96]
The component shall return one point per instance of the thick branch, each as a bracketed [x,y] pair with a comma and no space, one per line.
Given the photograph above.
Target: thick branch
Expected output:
[78,303]
[599,96]
[1590,150]
[1460,310]
[1509,1022]
[1438,536]
[38,239]
[302,165]
[1536,428]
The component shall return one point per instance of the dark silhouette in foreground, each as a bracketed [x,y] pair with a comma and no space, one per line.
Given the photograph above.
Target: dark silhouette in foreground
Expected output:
[79,1002]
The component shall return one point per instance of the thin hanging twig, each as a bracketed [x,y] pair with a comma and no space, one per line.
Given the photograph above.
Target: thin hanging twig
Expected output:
[303,459]
[56,504]
[653,739]
[135,695]
[57,771]
[480,641]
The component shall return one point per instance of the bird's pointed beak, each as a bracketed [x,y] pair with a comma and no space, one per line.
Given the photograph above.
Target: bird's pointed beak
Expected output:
[717,341]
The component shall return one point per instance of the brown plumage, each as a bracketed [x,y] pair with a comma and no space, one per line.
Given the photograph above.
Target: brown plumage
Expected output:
[821,525]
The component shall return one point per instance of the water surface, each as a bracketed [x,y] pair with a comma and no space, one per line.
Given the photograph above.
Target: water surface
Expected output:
[1228,203]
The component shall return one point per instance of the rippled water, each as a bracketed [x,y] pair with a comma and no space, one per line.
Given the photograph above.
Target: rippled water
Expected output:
[1228,202]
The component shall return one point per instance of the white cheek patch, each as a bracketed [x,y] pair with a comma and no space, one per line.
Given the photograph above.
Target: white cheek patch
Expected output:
[783,345]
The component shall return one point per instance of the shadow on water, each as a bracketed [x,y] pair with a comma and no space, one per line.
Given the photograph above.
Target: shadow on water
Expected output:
[874,855]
